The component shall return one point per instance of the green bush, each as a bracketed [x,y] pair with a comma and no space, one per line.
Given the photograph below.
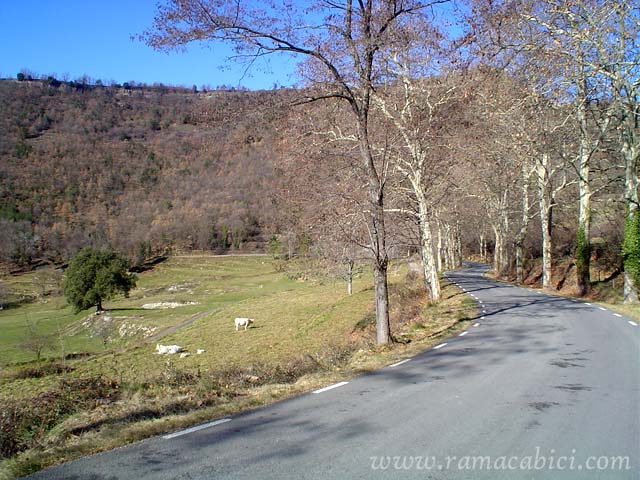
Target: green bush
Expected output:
[583,250]
[631,247]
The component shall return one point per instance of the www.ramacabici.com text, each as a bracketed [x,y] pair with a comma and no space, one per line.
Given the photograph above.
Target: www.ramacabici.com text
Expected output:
[538,461]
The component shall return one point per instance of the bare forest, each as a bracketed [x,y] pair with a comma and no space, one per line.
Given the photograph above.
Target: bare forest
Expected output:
[144,170]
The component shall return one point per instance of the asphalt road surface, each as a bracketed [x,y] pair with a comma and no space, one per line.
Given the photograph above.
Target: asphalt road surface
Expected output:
[538,387]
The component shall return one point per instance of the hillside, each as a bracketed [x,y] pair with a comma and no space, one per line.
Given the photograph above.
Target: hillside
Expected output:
[145,170]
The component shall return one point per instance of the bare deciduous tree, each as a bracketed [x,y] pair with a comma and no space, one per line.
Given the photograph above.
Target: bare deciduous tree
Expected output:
[340,43]
[35,341]
[587,54]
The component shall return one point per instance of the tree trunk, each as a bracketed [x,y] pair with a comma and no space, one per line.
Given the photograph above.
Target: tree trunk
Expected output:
[545,202]
[383,330]
[431,280]
[350,277]
[99,306]
[631,153]
[429,260]
[378,234]
[439,249]
[451,248]
[583,243]
[505,259]
[500,256]
[583,247]
[380,264]
[497,249]
[630,290]
[524,224]
[545,219]
[519,260]
[458,244]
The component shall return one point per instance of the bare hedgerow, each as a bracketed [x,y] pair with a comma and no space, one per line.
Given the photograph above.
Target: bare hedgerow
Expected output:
[24,425]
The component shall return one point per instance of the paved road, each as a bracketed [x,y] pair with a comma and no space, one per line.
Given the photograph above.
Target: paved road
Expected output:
[540,387]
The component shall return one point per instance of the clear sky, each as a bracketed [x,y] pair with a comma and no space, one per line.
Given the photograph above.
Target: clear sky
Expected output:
[93,37]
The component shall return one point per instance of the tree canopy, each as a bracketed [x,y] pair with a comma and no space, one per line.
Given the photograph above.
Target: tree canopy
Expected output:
[94,276]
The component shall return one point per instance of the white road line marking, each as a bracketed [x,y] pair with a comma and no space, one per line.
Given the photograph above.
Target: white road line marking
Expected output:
[481,318]
[397,364]
[587,303]
[617,315]
[463,334]
[439,346]
[196,428]
[603,309]
[476,324]
[330,387]
[632,323]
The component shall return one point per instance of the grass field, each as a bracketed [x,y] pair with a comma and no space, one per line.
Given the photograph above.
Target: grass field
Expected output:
[306,333]
[291,316]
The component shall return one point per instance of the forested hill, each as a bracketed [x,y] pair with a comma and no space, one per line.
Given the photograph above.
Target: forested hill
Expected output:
[143,169]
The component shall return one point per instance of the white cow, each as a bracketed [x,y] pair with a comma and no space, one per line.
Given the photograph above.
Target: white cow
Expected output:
[243,322]
[168,349]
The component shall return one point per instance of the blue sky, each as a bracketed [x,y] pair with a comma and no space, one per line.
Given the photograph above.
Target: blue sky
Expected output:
[92,37]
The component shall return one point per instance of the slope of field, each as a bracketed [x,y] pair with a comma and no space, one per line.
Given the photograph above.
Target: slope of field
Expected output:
[211,291]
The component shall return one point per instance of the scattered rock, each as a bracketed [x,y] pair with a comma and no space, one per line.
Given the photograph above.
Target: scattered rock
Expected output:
[132,329]
[185,287]
[164,305]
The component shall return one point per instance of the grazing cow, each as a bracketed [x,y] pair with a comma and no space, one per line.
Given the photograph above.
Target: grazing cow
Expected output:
[168,349]
[243,322]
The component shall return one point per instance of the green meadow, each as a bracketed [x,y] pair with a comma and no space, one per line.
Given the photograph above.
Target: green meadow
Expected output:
[291,316]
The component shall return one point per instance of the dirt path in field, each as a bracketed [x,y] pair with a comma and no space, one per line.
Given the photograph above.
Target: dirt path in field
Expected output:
[174,328]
